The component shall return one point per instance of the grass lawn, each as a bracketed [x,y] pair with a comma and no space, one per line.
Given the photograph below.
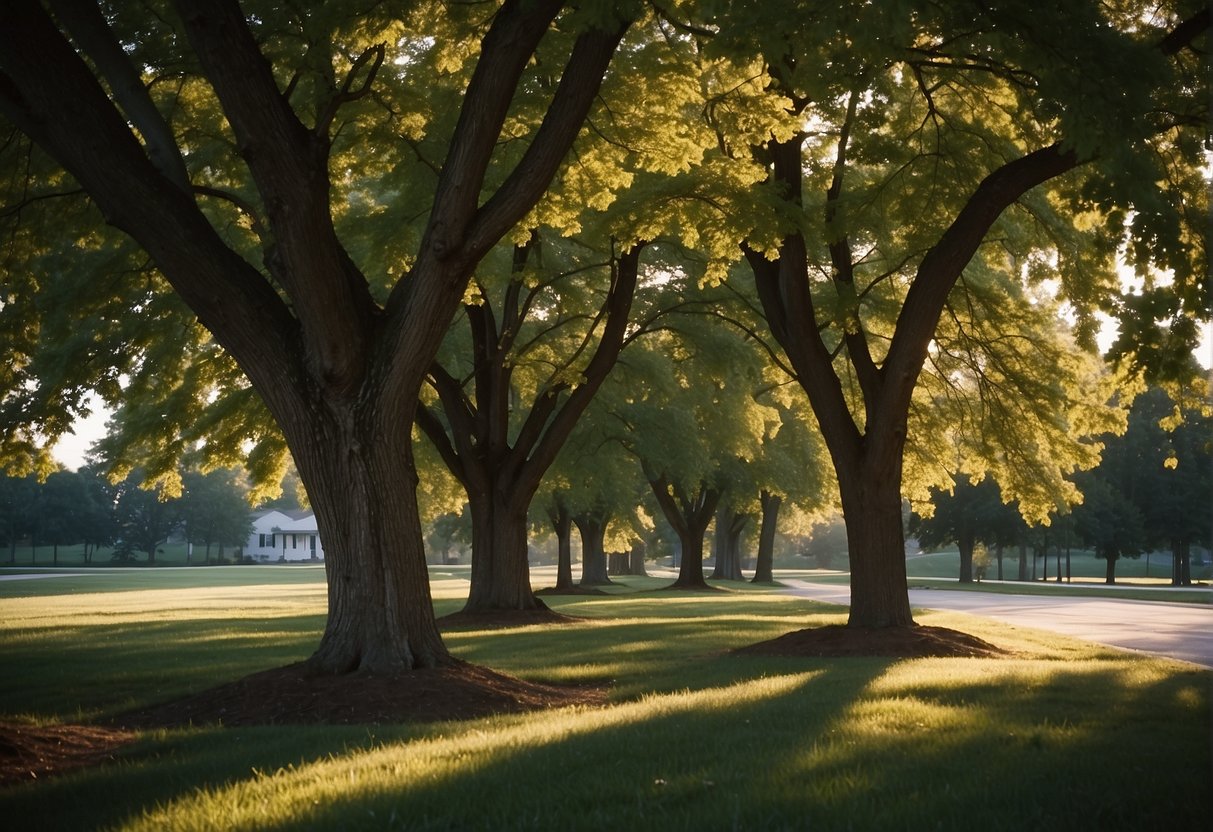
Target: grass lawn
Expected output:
[1064,735]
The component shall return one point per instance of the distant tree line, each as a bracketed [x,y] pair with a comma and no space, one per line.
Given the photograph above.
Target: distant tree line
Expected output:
[72,508]
[1151,491]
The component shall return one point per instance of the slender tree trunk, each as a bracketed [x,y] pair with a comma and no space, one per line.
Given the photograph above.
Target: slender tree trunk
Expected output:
[592,528]
[617,563]
[965,545]
[726,544]
[1181,562]
[55,553]
[764,565]
[500,568]
[998,558]
[562,525]
[1110,567]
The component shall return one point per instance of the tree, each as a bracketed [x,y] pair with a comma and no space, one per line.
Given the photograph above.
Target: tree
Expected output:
[495,446]
[935,155]
[1108,522]
[65,510]
[18,510]
[335,344]
[100,523]
[687,413]
[214,510]
[968,515]
[145,517]
[1153,485]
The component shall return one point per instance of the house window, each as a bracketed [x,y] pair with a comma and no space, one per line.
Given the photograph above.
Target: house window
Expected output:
[294,541]
[261,541]
[313,544]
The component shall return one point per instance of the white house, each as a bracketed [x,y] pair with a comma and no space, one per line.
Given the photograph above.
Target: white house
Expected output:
[284,536]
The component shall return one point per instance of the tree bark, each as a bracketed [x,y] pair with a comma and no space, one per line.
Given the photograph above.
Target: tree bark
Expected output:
[500,578]
[965,544]
[1110,559]
[871,509]
[636,558]
[764,572]
[592,528]
[726,544]
[562,525]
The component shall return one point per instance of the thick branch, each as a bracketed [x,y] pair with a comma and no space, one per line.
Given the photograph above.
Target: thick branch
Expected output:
[289,165]
[88,28]
[579,84]
[48,92]
[844,266]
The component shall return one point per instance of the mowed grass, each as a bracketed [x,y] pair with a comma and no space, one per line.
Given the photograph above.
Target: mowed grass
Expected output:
[1064,735]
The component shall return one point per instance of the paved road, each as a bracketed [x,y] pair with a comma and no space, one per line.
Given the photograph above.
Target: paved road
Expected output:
[1180,631]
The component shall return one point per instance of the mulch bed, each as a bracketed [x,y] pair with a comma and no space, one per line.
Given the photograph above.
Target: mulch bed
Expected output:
[836,640]
[28,752]
[292,696]
[504,619]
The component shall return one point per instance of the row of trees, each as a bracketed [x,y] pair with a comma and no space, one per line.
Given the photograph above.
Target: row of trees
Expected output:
[1152,490]
[84,507]
[900,199]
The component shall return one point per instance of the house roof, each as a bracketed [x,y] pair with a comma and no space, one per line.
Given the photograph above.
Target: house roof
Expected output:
[294,514]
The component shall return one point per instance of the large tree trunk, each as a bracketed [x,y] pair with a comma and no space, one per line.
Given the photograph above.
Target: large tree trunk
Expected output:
[592,528]
[500,564]
[1110,558]
[764,566]
[871,507]
[380,615]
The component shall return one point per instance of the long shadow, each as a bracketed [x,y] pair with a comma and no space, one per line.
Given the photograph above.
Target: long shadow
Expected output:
[979,751]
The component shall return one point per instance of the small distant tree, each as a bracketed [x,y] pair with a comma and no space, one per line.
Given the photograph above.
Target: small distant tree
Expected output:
[100,525]
[146,517]
[214,509]
[1109,523]
[18,510]
[966,516]
[65,501]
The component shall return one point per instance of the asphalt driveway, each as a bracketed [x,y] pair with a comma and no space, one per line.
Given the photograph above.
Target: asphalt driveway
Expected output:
[1179,631]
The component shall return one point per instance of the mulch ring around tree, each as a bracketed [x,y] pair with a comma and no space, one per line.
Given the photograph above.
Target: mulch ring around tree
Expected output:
[504,619]
[291,696]
[915,641]
[29,752]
